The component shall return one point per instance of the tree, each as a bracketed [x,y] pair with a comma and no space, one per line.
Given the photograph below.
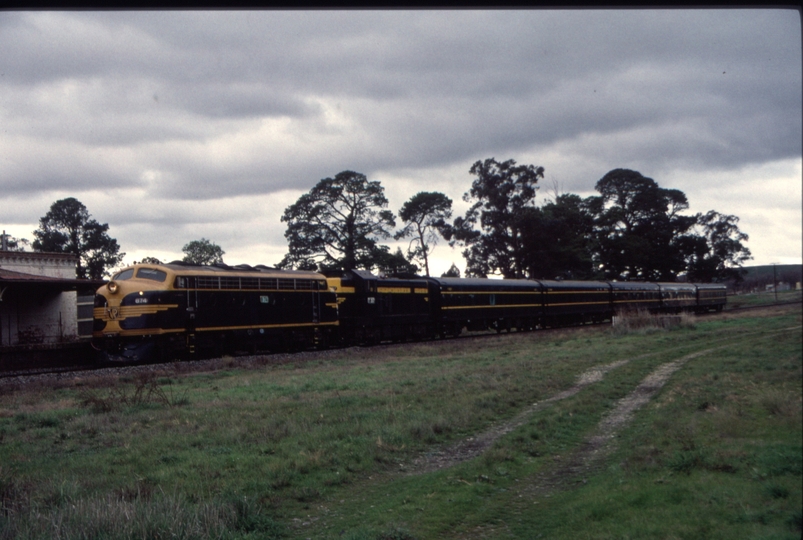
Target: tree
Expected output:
[639,231]
[425,215]
[503,196]
[558,239]
[152,260]
[453,271]
[720,255]
[10,243]
[68,228]
[337,224]
[388,264]
[202,251]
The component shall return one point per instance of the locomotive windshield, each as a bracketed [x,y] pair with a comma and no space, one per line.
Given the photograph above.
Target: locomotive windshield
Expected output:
[150,273]
[124,275]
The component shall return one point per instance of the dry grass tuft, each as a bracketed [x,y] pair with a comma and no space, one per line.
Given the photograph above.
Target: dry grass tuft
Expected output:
[146,387]
[643,322]
[780,403]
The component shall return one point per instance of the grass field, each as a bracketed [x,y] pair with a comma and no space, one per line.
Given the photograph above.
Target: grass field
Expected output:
[761,299]
[693,432]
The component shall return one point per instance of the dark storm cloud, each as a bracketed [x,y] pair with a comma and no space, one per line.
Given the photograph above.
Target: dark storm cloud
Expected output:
[199,105]
[237,101]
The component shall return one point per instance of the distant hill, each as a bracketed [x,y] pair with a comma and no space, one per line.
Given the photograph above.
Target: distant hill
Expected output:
[766,271]
[758,277]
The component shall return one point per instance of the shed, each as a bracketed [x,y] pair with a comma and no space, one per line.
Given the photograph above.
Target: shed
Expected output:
[41,301]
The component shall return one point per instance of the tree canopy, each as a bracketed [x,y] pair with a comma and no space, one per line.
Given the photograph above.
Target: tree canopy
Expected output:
[453,271]
[639,231]
[150,260]
[389,264]
[633,230]
[202,251]
[557,239]
[503,197]
[69,228]
[720,254]
[425,216]
[11,243]
[337,224]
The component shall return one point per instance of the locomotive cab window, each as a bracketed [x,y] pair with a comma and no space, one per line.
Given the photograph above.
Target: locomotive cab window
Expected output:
[152,274]
[124,275]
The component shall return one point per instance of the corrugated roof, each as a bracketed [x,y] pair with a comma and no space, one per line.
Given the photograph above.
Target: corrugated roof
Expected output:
[12,277]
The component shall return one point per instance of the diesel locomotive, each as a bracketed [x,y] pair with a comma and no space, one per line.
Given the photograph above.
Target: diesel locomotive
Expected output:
[178,310]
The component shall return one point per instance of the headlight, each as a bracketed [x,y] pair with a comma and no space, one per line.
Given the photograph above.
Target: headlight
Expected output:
[112,286]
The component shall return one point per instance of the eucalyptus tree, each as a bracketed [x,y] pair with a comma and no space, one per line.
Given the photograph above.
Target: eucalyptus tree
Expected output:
[202,251]
[720,253]
[640,232]
[453,271]
[69,228]
[150,260]
[337,224]
[492,231]
[559,239]
[389,264]
[425,216]
[11,243]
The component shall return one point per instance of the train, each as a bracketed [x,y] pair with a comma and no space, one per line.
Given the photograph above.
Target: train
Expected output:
[161,312]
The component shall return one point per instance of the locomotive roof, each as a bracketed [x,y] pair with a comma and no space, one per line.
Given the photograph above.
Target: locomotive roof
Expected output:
[180,267]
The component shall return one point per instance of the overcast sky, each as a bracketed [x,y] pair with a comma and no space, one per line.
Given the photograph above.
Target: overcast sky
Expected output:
[172,126]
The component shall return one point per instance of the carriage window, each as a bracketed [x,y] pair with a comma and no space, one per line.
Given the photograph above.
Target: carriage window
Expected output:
[150,273]
[124,275]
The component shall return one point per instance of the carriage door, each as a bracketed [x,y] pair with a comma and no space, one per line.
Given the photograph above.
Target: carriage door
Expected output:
[316,302]
[192,309]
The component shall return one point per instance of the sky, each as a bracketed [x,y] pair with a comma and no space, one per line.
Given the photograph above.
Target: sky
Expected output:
[176,126]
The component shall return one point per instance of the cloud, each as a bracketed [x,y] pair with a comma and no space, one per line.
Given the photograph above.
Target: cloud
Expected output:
[205,118]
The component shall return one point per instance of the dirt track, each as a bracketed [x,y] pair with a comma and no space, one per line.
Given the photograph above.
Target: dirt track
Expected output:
[593,448]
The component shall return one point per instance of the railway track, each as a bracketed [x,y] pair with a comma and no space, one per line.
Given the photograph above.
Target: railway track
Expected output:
[762,306]
[67,370]
[70,370]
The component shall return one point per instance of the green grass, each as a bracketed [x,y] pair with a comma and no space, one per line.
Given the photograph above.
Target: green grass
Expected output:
[764,298]
[325,448]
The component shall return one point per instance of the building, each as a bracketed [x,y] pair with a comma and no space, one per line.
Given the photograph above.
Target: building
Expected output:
[41,301]
[782,286]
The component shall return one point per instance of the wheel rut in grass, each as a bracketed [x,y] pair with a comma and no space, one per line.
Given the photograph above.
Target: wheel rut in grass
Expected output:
[590,452]
[474,446]
[574,468]
[590,455]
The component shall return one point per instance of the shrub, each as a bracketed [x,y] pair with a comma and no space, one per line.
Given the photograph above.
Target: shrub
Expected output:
[643,322]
